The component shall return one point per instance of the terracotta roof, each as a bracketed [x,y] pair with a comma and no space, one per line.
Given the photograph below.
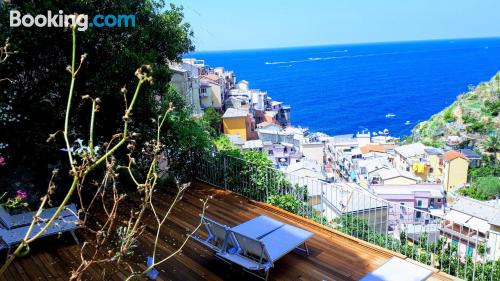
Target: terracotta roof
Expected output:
[452,154]
[372,148]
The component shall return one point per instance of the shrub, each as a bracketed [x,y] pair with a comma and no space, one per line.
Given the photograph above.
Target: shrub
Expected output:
[489,186]
[286,202]
[448,115]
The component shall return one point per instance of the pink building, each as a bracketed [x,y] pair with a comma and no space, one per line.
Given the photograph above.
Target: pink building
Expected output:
[414,204]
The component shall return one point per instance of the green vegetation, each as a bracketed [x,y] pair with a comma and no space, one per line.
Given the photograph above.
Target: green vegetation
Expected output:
[492,107]
[448,115]
[492,143]
[475,112]
[213,120]
[286,202]
[485,180]
[433,143]
[112,55]
[484,188]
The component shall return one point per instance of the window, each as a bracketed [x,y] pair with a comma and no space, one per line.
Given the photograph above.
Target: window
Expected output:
[439,200]
[418,215]
[419,203]
[431,170]
[203,90]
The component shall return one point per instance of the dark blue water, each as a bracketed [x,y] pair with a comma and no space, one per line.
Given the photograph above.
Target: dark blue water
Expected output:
[343,88]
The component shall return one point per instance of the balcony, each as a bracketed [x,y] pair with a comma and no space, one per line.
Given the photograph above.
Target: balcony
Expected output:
[334,255]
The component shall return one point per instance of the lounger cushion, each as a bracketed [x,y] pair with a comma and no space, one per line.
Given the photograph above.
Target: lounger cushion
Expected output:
[258,227]
[397,269]
[244,261]
[284,240]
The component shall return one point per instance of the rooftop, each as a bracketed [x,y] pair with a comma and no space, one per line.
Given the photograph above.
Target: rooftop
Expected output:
[253,144]
[372,148]
[433,151]
[234,113]
[477,209]
[235,139]
[470,154]
[411,150]
[434,190]
[386,174]
[334,256]
[452,155]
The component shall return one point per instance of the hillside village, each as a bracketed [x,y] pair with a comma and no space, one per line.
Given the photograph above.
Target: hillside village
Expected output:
[419,175]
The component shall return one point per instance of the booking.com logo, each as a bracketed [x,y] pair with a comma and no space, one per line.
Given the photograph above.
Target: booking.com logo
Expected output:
[81,22]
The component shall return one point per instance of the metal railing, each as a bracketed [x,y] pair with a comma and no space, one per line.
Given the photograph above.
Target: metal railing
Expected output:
[454,248]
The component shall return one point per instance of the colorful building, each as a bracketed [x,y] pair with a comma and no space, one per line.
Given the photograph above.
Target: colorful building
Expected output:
[436,163]
[456,167]
[414,203]
[234,122]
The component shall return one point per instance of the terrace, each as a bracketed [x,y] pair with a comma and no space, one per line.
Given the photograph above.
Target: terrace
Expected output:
[334,255]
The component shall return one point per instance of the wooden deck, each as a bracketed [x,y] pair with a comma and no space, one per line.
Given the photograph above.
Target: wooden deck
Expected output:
[334,256]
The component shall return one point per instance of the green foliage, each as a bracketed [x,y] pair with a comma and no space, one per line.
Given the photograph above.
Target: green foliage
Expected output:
[448,115]
[477,127]
[212,120]
[288,202]
[492,143]
[492,107]
[224,145]
[468,118]
[433,143]
[113,55]
[485,170]
[489,186]
[182,135]
[473,192]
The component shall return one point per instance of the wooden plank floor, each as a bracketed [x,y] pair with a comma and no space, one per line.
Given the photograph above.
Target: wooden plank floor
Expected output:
[334,256]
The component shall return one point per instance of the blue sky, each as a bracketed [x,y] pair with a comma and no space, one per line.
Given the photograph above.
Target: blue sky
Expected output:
[253,24]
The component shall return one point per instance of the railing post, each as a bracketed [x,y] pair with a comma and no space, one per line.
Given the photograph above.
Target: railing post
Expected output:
[266,184]
[225,171]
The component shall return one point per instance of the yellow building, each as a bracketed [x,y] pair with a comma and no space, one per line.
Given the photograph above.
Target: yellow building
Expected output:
[234,122]
[456,167]
[434,164]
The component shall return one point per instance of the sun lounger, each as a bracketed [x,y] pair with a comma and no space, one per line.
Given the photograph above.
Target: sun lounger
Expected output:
[397,269]
[259,243]
[66,222]
[258,227]
[216,235]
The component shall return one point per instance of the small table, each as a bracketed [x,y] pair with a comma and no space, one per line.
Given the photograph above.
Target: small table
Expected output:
[258,227]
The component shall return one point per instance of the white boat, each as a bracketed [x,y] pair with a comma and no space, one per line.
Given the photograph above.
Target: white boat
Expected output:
[390,115]
[407,123]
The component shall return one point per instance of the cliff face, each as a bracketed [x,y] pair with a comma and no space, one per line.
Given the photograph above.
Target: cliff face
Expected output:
[474,117]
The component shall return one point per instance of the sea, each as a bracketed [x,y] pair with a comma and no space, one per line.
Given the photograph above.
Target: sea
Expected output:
[343,89]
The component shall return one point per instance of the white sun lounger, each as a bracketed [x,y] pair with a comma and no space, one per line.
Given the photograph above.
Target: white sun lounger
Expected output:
[216,234]
[397,269]
[258,227]
[258,243]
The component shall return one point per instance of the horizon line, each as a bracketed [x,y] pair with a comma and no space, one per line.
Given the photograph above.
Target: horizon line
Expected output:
[340,44]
